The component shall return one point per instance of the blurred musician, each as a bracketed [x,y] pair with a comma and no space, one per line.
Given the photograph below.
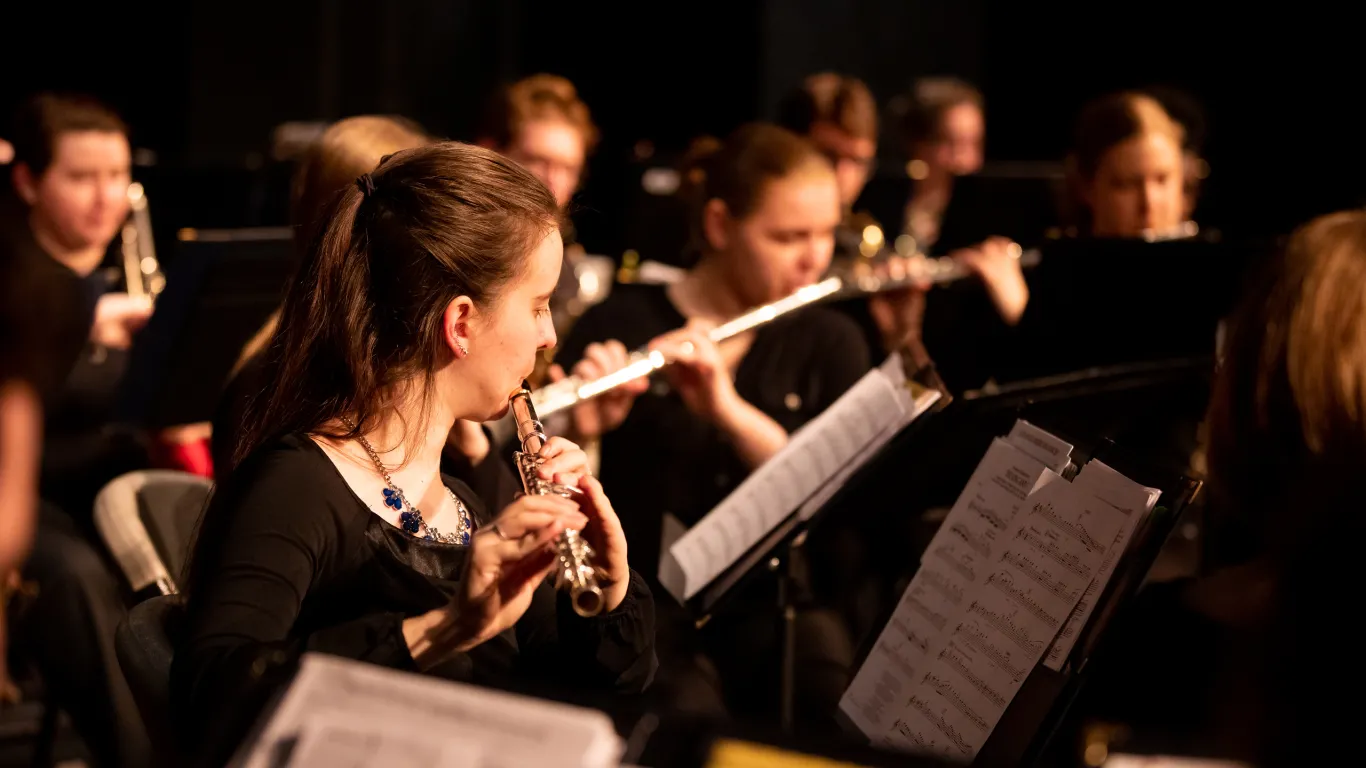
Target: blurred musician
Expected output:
[328,166]
[838,115]
[424,302]
[943,130]
[1286,452]
[22,356]
[767,209]
[541,122]
[1128,169]
[71,172]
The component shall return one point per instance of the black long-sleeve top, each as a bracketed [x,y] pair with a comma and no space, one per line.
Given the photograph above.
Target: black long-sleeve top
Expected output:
[292,561]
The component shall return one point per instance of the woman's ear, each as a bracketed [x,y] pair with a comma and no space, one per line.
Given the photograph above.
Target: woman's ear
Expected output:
[458,326]
[716,224]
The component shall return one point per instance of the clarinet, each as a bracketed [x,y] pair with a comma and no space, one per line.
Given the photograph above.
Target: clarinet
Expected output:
[574,570]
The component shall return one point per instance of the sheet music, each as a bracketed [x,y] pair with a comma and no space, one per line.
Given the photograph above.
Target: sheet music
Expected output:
[1052,450]
[334,740]
[1050,554]
[1134,501]
[956,560]
[454,722]
[813,457]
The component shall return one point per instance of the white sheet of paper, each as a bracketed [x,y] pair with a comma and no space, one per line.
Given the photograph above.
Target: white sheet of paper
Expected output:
[502,729]
[1052,450]
[334,740]
[956,559]
[814,457]
[1050,554]
[1135,502]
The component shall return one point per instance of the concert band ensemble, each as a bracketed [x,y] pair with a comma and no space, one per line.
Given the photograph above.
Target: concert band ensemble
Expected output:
[455,441]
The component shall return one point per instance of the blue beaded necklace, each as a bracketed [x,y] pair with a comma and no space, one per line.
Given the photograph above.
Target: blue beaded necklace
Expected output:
[410,518]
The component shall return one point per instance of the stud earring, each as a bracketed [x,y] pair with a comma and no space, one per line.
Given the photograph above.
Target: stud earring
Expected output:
[463,351]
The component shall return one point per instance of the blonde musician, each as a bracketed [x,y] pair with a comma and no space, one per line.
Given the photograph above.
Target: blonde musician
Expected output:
[348,148]
[1128,169]
[424,302]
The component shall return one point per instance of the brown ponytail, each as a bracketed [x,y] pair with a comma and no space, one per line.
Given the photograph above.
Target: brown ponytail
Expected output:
[365,312]
[738,170]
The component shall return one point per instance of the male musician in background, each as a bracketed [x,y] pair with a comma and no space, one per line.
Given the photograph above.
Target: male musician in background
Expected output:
[838,115]
[71,173]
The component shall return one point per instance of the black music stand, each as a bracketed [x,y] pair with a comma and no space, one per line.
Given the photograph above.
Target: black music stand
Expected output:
[220,289]
[774,554]
[1038,710]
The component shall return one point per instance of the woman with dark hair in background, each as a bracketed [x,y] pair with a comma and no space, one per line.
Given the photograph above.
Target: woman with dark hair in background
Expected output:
[424,302]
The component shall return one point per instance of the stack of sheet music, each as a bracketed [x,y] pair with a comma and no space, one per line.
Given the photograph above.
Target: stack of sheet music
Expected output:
[338,713]
[1007,582]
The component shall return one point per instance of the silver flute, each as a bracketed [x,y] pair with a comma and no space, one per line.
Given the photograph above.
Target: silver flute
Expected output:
[574,570]
[861,280]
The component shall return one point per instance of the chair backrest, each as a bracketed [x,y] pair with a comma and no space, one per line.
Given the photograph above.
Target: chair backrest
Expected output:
[145,644]
[147,520]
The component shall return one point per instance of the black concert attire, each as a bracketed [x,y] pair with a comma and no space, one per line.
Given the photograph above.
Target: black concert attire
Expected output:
[664,459]
[490,479]
[295,562]
[80,598]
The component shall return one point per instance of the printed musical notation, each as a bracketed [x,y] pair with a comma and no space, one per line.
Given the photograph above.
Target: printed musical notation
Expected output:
[973,542]
[1071,527]
[1011,618]
[946,728]
[918,605]
[988,516]
[1039,575]
[946,690]
[976,637]
[1135,502]
[1006,584]
[953,592]
[1005,623]
[953,656]
[959,563]
[1067,560]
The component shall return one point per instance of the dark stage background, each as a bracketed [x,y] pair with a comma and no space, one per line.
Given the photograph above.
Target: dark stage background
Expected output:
[204,84]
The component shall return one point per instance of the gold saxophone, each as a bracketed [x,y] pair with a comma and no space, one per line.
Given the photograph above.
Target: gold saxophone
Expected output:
[574,570]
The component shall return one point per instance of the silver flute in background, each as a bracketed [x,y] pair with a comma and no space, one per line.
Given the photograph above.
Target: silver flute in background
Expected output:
[574,569]
[864,279]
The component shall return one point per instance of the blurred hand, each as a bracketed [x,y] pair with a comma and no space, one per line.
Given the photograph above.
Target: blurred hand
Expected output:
[697,371]
[900,314]
[997,261]
[118,316]
[594,418]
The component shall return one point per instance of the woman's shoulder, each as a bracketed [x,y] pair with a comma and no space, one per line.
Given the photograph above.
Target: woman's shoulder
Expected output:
[291,473]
